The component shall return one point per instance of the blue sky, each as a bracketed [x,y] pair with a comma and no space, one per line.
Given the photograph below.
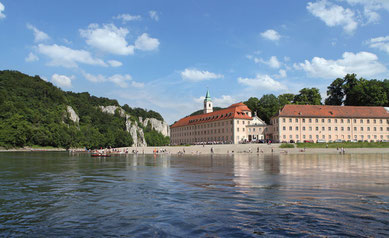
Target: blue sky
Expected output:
[163,55]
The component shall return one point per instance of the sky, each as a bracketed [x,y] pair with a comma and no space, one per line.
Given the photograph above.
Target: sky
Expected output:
[164,55]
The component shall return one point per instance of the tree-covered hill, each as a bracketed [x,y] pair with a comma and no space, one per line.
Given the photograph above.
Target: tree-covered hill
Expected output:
[34,112]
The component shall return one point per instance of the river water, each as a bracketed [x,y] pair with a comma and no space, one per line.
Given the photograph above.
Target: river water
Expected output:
[61,195]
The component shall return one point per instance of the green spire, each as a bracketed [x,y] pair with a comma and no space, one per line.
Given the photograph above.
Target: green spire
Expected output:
[207,96]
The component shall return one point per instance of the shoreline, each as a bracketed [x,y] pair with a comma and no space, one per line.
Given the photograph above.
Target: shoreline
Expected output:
[226,149]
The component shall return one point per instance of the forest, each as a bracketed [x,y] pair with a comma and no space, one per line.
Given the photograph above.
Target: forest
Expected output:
[348,91]
[33,112]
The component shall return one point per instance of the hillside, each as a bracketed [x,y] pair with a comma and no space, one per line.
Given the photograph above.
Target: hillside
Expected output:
[35,112]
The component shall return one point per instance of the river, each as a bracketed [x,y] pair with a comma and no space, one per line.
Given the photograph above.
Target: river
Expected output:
[61,195]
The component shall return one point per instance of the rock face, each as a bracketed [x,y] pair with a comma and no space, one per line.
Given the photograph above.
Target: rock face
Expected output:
[160,126]
[72,115]
[112,109]
[132,127]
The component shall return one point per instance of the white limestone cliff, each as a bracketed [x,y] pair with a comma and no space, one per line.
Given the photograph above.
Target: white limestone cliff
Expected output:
[134,130]
[112,109]
[160,126]
[73,115]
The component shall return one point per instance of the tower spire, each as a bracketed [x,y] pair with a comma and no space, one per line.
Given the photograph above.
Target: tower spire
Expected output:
[208,107]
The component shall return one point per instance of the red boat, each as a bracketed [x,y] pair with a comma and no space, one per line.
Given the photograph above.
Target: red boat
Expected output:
[100,155]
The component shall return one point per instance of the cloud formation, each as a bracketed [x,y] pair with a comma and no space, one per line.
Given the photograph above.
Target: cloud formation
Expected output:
[381,43]
[365,64]
[118,79]
[146,43]
[62,81]
[334,15]
[370,8]
[38,35]
[154,15]
[271,35]
[108,38]
[272,62]
[195,75]
[31,57]
[262,82]
[115,63]
[128,17]
[67,57]
[2,8]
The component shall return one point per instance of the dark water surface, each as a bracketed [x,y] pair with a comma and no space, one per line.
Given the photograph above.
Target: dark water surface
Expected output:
[58,195]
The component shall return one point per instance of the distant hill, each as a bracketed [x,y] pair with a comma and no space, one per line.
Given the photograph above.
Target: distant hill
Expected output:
[35,112]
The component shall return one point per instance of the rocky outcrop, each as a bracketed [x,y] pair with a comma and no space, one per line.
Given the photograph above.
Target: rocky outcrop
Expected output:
[72,115]
[160,126]
[136,133]
[133,128]
[112,109]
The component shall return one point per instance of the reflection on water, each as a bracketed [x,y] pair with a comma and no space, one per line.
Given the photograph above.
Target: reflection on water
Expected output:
[54,194]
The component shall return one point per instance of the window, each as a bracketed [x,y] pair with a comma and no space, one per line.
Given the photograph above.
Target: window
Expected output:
[381,128]
[349,137]
[329,128]
[297,120]
[290,128]
[303,120]
[317,128]
[303,128]
[375,128]
[303,136]
[237,122]
[348,128]
[381,121]
[310,120]
[341,120]
[316,120]
[342,128]
[322,120]
[283,119]
[368,129]
[329,120]
[297,128]
[243,122]
[310,128]
[284,128]
[253,129]
[290,137]
[361,120]
[355,120]
[348,120]
[290,119]
[310,136]
[355,128]
[336,128]
[284,136]
[368,121]
[324,136]
[297,136]
[237,129]
[336,120]
[329,137]
[323,128]
[361,128]
[243,128]
[374,121]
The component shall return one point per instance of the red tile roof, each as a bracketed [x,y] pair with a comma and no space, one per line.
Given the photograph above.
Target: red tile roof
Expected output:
[236,111]
[333,111]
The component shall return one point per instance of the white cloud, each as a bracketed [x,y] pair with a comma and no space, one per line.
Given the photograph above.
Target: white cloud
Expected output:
[38,35]
[333,15]
[115,63]
[224,101]
[67,57]
[370,8]
[146,43]
[364,64]
[128,17]
[381,43]
[108,38]
[262,82]
[154,15]
[281,74]
[62,80]
[118,79]
[2,8]
[195,75]
[271,35]
[272,62]
[31,57]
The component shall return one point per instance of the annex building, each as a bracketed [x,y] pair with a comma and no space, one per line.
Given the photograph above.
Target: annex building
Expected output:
[234,124]
[321,123]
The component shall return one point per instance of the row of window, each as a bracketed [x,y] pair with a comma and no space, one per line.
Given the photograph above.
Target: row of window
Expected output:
[205,132]
[202,126]
[215,117]
[203,139]
[335,128]
[322,120]
[362,137]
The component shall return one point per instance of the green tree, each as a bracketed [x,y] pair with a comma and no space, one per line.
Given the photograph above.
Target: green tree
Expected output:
[268,107]
[286,98]
[335,92]
[308,96]
[252,104]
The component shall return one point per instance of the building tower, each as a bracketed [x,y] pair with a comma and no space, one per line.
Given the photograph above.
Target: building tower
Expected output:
[208,103]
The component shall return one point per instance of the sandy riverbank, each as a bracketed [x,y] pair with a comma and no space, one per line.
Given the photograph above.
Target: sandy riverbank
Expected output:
[246,148]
